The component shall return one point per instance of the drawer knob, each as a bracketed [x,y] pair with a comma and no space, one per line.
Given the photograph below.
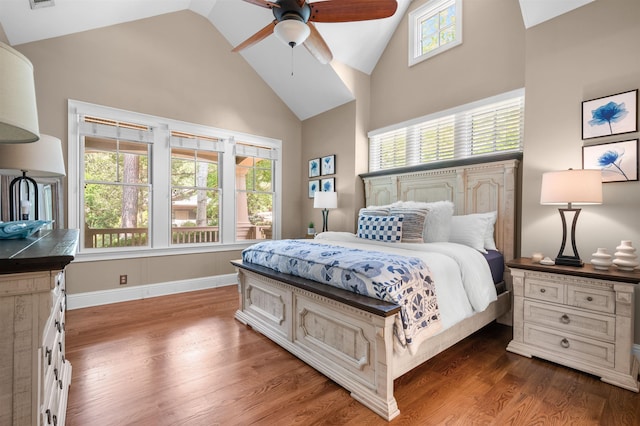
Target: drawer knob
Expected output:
[589,299]
[564,343]
[565,319]
[543,290]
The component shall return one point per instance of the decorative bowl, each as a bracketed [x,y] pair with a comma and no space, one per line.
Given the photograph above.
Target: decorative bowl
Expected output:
[20,228]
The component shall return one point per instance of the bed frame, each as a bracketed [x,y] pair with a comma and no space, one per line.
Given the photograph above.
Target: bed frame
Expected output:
[349,338]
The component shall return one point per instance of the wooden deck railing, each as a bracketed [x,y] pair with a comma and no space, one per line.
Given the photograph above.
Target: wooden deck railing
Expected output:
[136,237]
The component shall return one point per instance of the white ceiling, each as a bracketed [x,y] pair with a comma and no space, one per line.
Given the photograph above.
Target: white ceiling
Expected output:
[312,89]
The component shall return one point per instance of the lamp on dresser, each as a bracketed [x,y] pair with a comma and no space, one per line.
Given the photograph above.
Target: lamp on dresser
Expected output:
[40,159]
[571,187]
[18,111]
[325,201]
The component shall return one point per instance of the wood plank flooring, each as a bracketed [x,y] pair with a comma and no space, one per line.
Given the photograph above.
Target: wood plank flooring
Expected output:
[184,360]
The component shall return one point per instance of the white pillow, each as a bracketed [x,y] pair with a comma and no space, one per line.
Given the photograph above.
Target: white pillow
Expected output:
[470,230]
[489,240]
[437,226]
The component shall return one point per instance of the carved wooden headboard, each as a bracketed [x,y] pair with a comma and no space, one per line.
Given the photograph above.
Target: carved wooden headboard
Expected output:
[476,188]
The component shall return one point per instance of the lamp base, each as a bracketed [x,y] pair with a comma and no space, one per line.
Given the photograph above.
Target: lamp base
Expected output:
[569,261]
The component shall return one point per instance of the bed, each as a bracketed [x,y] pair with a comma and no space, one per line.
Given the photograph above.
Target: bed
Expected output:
[349,337]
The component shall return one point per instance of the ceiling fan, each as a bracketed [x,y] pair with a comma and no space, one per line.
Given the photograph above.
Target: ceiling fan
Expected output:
[293,23]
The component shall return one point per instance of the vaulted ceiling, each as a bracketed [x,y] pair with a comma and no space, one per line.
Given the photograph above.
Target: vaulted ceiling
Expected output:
[312,89]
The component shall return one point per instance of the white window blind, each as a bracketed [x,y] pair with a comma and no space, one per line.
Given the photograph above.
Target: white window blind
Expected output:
[490,126]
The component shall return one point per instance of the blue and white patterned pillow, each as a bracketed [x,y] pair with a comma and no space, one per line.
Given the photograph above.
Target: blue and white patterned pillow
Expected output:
[380,228]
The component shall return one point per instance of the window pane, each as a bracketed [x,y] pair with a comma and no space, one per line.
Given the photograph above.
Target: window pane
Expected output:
[254,198]
[195,216]
[116,215]
[195,202]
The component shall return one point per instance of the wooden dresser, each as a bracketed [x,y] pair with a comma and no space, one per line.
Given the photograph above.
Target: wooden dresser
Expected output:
[576,316]
[34,374]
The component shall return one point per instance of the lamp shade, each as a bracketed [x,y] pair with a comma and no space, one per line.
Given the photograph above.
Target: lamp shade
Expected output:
[571,186]
[292,31]
[325,200]
[39,159]
[18,111]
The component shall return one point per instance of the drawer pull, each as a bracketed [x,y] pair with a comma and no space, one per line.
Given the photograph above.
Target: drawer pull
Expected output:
[55,420]
[589,299]
[565,319]
[543,290]
[47,354]
[57,325]
[55,373]
[564,343]
[48,416]
[60,383]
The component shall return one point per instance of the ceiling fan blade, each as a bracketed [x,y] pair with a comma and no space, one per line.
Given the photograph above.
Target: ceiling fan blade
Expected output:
[260,35]
[263,3]
[351,10]
[316,45]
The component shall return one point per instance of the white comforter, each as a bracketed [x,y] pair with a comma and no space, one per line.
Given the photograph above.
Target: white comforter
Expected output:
[462,276]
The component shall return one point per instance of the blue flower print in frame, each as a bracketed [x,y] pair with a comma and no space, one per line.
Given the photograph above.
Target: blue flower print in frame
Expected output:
[611,115]
[328,184]
[618,161]
[314,167]
[314,186]
[328,165]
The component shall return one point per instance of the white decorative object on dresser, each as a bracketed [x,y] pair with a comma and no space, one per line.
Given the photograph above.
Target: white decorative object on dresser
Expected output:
[34,374]
[582,318]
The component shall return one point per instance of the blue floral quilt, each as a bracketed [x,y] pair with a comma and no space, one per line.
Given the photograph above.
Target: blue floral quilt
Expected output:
[405,281]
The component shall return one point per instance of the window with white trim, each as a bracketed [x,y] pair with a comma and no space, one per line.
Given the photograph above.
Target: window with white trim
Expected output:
[434,28]
[139,183]
[491,126]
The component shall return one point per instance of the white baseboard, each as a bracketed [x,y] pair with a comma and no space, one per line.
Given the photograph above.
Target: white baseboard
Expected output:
[104,297]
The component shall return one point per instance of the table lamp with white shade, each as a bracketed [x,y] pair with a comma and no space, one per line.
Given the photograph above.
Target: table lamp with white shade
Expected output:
[18,111]
[571,187]
[39,159]
[325,201]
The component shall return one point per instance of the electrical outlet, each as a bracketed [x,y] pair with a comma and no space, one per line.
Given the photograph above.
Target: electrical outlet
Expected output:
[123,279]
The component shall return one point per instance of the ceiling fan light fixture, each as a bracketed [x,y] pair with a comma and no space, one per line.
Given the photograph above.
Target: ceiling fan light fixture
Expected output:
[292,31]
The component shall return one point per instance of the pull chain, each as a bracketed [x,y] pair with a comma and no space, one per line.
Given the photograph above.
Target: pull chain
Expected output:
[291,61]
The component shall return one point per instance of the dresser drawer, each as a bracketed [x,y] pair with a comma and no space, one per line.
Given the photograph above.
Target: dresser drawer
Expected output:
[544,290]
[591,298]
[567,346]
[590,324]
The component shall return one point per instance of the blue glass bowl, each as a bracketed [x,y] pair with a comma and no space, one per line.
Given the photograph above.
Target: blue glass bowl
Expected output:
[20,228]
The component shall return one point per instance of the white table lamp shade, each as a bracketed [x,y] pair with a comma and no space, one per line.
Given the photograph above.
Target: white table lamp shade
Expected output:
[571,186]
[39,159]
[325,200]
[18,110]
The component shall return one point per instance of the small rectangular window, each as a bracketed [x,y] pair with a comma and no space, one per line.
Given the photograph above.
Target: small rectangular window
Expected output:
[195,183]
[434,28]
[254,192]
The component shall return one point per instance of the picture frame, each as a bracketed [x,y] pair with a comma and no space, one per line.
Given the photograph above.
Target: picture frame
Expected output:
[314,186]
[314,167]
[328,184]
[610,115]
[617,160]
[328,165]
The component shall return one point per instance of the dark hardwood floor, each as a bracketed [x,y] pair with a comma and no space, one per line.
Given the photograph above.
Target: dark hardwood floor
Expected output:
[184,360]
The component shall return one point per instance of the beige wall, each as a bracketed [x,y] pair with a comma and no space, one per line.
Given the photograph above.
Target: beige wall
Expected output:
[588,53]
[176,66]
[489,61]
[343,132]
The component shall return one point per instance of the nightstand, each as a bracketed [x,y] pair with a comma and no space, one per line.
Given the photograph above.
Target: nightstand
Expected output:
[579,317]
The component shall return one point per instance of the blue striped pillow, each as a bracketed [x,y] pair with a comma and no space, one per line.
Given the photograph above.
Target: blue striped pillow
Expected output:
[380,228]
